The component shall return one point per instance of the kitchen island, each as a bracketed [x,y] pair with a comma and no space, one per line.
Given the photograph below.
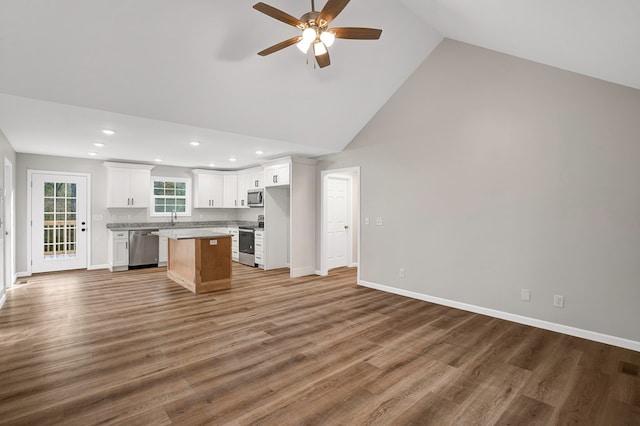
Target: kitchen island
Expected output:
[198,259]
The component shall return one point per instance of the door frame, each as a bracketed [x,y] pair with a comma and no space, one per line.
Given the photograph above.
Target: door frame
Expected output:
[30,173]
[10,232]
[324,190]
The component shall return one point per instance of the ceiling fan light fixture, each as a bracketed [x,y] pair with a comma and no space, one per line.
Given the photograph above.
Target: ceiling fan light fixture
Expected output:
[327,37]
[309,35]
[319,48]
[303,45]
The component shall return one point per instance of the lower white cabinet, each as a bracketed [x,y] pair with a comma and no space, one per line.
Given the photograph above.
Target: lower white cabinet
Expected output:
[259,248]
[163,251]
[118,250]
[235,244]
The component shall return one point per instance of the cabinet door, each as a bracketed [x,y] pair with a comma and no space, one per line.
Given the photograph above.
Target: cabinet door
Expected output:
[140,188]
[207,189]
[242,190]
[258,179]
[216,190]
[121,252]
[201,191]
[119,187]
[163,250]
[230,193]
[277,175]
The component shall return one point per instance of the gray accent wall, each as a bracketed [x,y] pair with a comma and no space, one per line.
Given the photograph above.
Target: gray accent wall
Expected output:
[494,174]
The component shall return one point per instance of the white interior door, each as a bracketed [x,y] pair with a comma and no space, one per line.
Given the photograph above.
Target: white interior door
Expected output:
[59,222]
[337,221]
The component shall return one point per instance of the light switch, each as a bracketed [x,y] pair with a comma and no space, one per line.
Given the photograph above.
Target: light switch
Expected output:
[366,220]
[379,220]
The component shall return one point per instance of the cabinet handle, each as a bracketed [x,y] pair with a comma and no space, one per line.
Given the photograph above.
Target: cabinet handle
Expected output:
[132,201]
[256,183]
[235,203]
[126,245]
[275,179]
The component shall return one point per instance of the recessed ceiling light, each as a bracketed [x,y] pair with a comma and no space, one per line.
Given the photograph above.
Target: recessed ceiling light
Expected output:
[108,132]
[212,165]
[259,152]
[232,159]
[158,160]
[98,144]
[93,154]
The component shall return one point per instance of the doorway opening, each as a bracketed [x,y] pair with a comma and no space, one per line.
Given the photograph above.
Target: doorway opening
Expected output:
[8,226]
[340,219]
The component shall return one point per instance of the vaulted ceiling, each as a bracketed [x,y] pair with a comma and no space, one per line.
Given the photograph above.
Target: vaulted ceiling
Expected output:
[163,73]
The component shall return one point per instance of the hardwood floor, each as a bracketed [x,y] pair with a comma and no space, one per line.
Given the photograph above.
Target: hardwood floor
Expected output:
[89,347]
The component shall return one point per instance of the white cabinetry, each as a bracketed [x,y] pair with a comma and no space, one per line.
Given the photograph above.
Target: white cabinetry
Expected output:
[207,189]
[235,244]
[243,179]
[255,178]
[128,185]
[118,250]
[277,175]
[163,251]
[259,248]
[230,191]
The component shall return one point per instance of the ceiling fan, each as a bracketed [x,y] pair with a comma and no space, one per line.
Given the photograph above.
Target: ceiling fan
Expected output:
[315,31]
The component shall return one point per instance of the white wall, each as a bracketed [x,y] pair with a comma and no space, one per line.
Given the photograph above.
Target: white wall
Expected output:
[494,174]
[98,228]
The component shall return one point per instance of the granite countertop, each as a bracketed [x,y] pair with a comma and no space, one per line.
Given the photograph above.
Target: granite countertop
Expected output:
[141,226]
[188,234]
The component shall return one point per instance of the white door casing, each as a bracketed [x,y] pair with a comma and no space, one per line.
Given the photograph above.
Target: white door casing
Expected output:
[8,224]
[59,222]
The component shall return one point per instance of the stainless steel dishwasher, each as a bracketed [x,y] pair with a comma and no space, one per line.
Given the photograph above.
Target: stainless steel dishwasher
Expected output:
[143,248]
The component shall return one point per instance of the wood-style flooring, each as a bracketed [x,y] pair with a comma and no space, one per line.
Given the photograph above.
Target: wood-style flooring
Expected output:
[93,347]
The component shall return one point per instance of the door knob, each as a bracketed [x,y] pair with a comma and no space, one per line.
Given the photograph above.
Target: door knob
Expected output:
[346,227]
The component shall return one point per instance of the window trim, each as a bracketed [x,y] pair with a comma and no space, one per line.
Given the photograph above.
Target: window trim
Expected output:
[188,196]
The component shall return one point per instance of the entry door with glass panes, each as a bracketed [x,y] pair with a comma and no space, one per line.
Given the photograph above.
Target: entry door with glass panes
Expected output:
[59,222]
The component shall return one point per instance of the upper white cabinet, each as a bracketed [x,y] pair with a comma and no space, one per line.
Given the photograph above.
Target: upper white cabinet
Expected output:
[128,185]
[208,187]
[230,190]
[277,175]
[255,178]
[243,184]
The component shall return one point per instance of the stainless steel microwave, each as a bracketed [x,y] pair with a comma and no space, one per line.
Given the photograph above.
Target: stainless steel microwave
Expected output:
[255,197]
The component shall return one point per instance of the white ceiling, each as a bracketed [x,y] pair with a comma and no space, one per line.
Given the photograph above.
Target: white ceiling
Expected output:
[163,72]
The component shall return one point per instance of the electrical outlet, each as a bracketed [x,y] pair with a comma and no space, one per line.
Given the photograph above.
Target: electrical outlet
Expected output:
[525,295]
[366,220]
[401,273]
[379,221]
[558,301]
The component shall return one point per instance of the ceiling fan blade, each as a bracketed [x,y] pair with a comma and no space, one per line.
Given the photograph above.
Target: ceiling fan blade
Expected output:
[280,46]
[323,60]
[279,15]
[331,10]
[354,33]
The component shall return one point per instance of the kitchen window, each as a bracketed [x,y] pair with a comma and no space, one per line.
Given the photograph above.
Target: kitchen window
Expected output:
[171,195]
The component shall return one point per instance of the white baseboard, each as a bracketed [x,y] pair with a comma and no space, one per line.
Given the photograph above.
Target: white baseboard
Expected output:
[353,265]
[94,267]
[2,300]
[319,272]
[546,325]
[22,275]
[302,272]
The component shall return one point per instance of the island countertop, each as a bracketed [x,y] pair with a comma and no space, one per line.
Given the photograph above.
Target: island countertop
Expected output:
[189,234]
